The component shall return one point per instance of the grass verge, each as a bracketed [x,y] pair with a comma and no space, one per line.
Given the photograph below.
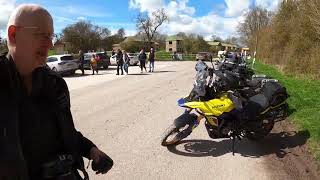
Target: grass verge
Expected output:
[304,103]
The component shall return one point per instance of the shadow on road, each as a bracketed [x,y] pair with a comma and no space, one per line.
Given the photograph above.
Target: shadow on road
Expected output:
[275,143]
[143,74]
[75,75]
[162,71]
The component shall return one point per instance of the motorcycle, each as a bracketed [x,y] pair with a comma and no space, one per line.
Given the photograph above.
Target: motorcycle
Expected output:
[226,113]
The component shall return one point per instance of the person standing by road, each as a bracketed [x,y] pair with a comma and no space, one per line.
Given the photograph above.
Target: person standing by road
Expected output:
[38,137]
[151,60]
[119,58]
[94,64]
[142,59]
[81,61]
[126,62]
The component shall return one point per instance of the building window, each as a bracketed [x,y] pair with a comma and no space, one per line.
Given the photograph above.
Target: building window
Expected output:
[170,42]
[170,49]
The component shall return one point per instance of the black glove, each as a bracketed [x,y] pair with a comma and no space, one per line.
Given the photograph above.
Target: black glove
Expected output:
[103,166]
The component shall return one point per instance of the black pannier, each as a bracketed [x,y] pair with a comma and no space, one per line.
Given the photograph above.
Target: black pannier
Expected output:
[274,92]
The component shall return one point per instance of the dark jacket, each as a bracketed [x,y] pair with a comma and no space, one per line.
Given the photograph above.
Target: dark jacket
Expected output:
[81,58]
[151,56]
[142,56]
[119,58]
[12,160]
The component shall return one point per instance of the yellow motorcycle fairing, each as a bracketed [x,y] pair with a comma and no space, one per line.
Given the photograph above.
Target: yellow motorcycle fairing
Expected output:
[214,107]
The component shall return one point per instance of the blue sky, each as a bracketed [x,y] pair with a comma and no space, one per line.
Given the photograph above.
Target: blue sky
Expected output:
[204,17]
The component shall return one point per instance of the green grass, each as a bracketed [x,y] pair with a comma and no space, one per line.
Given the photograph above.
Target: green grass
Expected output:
[304,102]
[51,52]
[167,56]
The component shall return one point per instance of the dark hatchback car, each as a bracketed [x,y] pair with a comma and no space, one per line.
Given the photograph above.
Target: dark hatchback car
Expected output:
[103,60]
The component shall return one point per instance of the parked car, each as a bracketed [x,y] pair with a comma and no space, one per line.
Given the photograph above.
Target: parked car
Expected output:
[113,60]
[103,60]
[133,58]
[206,56]
[63,64]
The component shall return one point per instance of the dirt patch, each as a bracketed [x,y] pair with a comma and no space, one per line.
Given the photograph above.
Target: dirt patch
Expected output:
[291,150]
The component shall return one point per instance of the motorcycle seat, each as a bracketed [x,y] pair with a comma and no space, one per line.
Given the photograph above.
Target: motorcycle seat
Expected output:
[254,83]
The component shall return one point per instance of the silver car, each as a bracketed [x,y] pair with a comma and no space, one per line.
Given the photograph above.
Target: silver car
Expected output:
[63,63]
[132,56]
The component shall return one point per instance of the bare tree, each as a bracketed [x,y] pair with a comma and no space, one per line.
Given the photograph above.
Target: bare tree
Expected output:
[312,9]
[149,25]
[121,33]
[216,38]
[255,20]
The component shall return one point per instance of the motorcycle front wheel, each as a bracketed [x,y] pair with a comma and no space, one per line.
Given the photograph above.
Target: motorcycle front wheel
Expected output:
[173,135]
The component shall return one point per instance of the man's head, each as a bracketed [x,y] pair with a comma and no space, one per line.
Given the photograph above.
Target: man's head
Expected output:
[30,32]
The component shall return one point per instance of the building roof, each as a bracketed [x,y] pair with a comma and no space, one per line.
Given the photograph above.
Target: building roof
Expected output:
[214,43]
[134,38]
[229,45]
[59,43]
[174,38]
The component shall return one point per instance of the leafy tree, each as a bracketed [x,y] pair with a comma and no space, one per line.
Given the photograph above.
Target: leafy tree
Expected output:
[85,36]
[131,45]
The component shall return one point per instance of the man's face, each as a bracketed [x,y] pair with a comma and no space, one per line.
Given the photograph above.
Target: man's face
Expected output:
[33,41]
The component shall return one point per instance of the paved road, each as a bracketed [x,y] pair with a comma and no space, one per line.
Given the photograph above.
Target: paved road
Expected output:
[126,116]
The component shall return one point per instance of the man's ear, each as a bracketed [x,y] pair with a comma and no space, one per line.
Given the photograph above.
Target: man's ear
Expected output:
[12,34]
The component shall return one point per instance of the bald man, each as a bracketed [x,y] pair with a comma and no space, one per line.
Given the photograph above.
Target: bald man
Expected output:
[38,139]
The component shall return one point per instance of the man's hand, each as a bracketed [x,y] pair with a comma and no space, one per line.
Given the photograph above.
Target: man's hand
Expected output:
[102,163]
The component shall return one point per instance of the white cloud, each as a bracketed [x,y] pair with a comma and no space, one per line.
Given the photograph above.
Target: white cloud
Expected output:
[271,5]
[6,7]
[236,8]
[81,18]
[146,5]
[182,17]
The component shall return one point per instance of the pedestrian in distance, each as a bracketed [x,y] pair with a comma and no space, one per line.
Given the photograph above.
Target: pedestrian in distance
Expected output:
[151,60]
[38,138]
[94,64]
[142,59]
[119,59]
[126,62]
[81,62]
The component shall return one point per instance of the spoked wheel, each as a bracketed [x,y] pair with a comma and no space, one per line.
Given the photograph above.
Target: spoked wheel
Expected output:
[174,134]
[267,125]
